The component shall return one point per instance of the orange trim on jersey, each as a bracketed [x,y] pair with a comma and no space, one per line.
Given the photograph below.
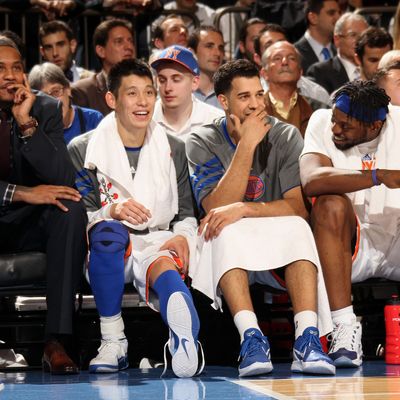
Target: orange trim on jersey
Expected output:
[357,241]
[128,251]
[176,260]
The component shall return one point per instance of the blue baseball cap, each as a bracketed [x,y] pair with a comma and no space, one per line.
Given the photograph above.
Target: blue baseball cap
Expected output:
[181,55]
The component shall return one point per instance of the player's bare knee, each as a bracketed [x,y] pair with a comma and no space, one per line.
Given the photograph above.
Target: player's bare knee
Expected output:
[331,211]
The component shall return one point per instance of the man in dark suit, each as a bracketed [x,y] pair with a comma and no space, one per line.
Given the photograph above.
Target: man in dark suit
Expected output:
[342,68]
[39,209]
[316,44]
[113,42]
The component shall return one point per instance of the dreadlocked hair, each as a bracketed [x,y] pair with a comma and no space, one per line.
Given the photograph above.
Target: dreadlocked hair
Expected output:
[365,97]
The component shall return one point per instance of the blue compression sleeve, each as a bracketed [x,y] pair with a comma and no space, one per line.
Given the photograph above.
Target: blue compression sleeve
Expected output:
[108,242]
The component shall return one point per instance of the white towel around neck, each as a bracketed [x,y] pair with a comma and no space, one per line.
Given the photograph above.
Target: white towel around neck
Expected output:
[154,185]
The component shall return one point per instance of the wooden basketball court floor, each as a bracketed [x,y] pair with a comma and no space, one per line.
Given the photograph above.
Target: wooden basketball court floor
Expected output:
[374,380]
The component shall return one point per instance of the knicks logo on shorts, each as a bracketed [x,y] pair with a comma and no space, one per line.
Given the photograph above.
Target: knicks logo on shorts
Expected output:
[255,188]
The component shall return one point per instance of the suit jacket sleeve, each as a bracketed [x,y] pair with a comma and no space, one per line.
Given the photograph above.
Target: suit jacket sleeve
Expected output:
[46,151]
[45,154]
[79,94]
[318,74]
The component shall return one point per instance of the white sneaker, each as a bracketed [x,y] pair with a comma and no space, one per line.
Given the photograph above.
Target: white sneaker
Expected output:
[184,326]
[112,357]
[346,348]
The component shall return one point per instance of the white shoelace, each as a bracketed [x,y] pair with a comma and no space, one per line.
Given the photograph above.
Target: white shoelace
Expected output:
[343,335]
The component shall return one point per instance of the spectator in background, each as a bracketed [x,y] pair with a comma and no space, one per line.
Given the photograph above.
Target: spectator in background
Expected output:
[204,14]
[113,41]
[58,46]
[282,71]
[231,24]
[207,44]
[53,9]
[396,29]
[342,68]
[135,6]
[388,78]
[49,78]
[388,58]
[370,47]
[177,109]
[250,30]
[169,31]
[316,43]
[271,34]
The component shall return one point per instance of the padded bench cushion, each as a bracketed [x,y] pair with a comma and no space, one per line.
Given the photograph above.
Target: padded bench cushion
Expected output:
[20,269]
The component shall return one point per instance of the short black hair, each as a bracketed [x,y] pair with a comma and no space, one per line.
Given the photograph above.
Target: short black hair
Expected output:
[194,38]
[373,37]
[366,96]
[51,27]
[314,6]
[249,22]
[233,69]
[268,28]
[16,39]
[126,68]
[100,36]
[7,42]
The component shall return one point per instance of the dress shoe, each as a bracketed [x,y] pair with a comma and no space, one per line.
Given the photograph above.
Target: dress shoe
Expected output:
[56,360]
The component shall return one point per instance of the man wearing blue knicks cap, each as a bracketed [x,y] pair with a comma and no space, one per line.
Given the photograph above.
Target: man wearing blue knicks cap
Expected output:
[177,110]
[350,164]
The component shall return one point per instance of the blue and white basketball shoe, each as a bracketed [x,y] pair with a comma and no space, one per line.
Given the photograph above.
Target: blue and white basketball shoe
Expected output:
[308,355]
[254,355]
[184,326]
[346,348]
[112,357]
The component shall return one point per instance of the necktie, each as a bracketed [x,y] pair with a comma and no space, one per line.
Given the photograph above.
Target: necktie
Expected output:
[326,53]
[356,73]
[5,132]
[69,75]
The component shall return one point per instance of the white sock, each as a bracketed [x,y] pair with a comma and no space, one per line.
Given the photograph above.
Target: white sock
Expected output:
[244,320]
[344,316]
[112,328]
[303,320]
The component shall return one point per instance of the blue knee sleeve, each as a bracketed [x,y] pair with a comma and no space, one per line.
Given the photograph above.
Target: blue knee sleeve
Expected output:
[166,284]
[108,242]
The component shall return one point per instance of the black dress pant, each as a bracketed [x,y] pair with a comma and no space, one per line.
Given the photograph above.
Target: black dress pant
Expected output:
[62,236]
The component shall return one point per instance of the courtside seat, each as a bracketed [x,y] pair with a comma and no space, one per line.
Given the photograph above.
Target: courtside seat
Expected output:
[22,273]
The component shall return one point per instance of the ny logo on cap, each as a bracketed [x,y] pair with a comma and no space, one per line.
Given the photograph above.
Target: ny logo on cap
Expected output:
[172,53]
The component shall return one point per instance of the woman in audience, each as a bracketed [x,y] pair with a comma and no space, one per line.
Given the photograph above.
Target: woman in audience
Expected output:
[50,79]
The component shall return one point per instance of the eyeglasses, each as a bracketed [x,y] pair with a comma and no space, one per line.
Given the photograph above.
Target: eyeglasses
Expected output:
[351,35]
[56,92]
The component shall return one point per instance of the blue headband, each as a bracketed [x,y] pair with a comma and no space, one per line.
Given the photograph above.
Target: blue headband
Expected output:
[356,111]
